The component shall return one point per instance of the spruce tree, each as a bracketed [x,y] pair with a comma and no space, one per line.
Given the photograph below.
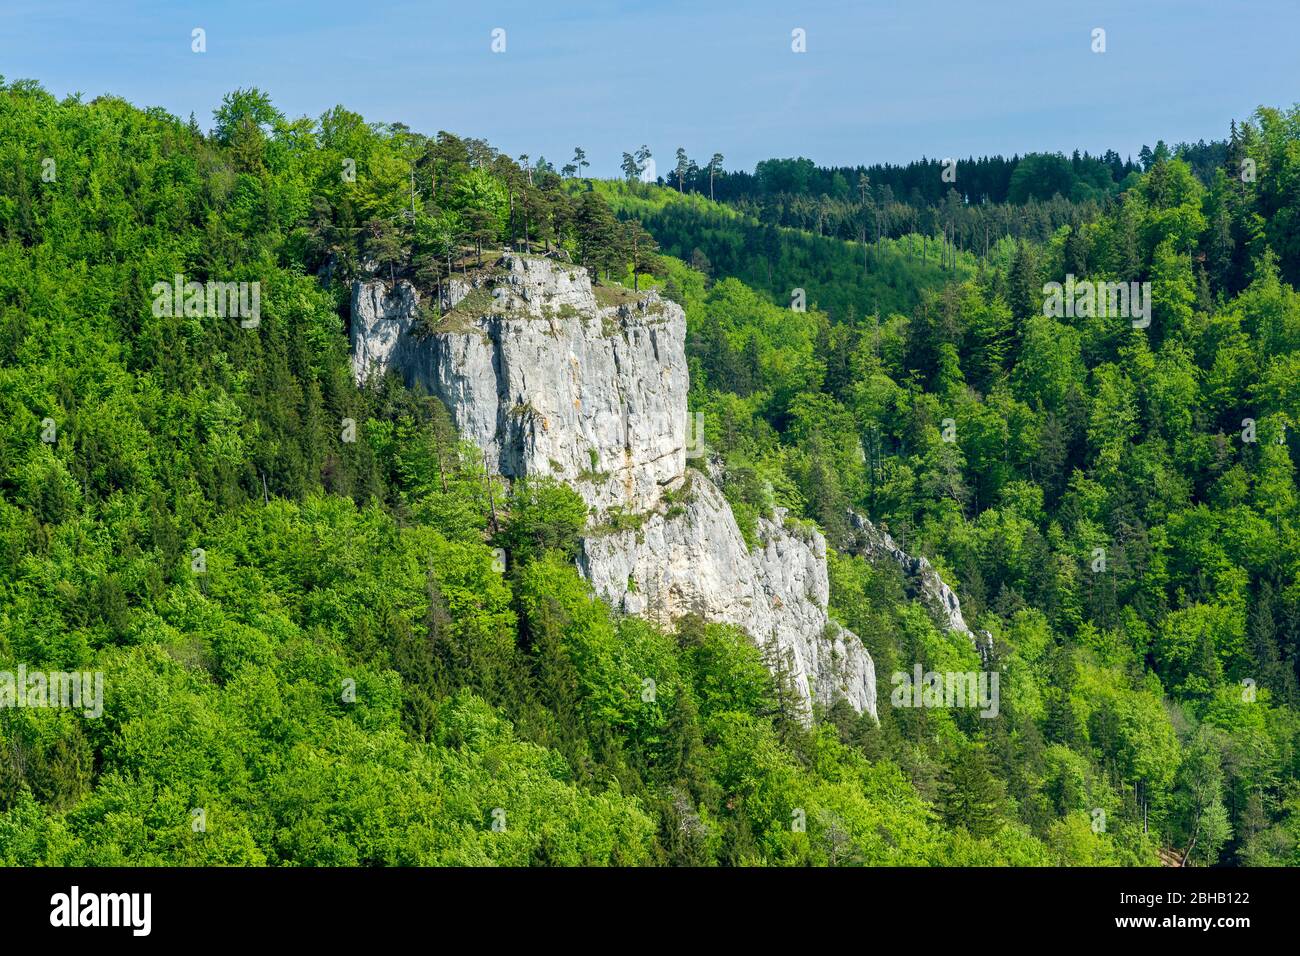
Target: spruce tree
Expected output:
[970,796]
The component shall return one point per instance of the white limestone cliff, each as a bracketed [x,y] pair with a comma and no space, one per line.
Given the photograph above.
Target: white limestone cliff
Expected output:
[543,378]
[691,558]
[548,381]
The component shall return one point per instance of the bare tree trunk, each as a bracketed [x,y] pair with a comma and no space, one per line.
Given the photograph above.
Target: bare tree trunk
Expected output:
[1196,832]
[442,475]
[492,505]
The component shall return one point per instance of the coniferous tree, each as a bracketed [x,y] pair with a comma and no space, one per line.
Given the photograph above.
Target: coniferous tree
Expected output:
[714,167]
[971,796]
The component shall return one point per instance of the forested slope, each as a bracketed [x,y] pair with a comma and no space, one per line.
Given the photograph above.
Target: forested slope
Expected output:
[1116,504]
[311,656]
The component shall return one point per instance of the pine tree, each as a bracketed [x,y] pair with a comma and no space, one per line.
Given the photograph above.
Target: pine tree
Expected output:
[714,167]
[789,712]
[1261,633]
[682,168]
[1025,292]
[599,235]
[827,502]
[1063,725]
[970,796]
[1075,252]
[413,659]
[386,245]
[641,247]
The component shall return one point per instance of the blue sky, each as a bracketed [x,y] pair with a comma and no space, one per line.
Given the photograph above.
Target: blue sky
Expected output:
[880,81]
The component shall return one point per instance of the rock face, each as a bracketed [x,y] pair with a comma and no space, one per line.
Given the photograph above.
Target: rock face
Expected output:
[924,582]
[381,326]
[542,378]
[691,558]
[549,381]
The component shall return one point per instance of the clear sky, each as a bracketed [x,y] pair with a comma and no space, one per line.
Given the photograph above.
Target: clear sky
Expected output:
[880,81]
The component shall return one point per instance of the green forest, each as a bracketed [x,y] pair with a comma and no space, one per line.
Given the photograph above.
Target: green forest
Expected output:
[312,656]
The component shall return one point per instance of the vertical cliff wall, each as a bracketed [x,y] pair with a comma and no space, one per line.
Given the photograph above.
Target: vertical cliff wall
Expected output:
[544,379]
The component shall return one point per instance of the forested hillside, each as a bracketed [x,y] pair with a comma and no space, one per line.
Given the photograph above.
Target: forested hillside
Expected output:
[841,277]
[312,655]
[1116,504]
[971,202]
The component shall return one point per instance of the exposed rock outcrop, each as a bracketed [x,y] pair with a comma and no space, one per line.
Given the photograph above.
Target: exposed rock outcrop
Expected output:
[551,380]
[924,582]
[691,557]
[542,378]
